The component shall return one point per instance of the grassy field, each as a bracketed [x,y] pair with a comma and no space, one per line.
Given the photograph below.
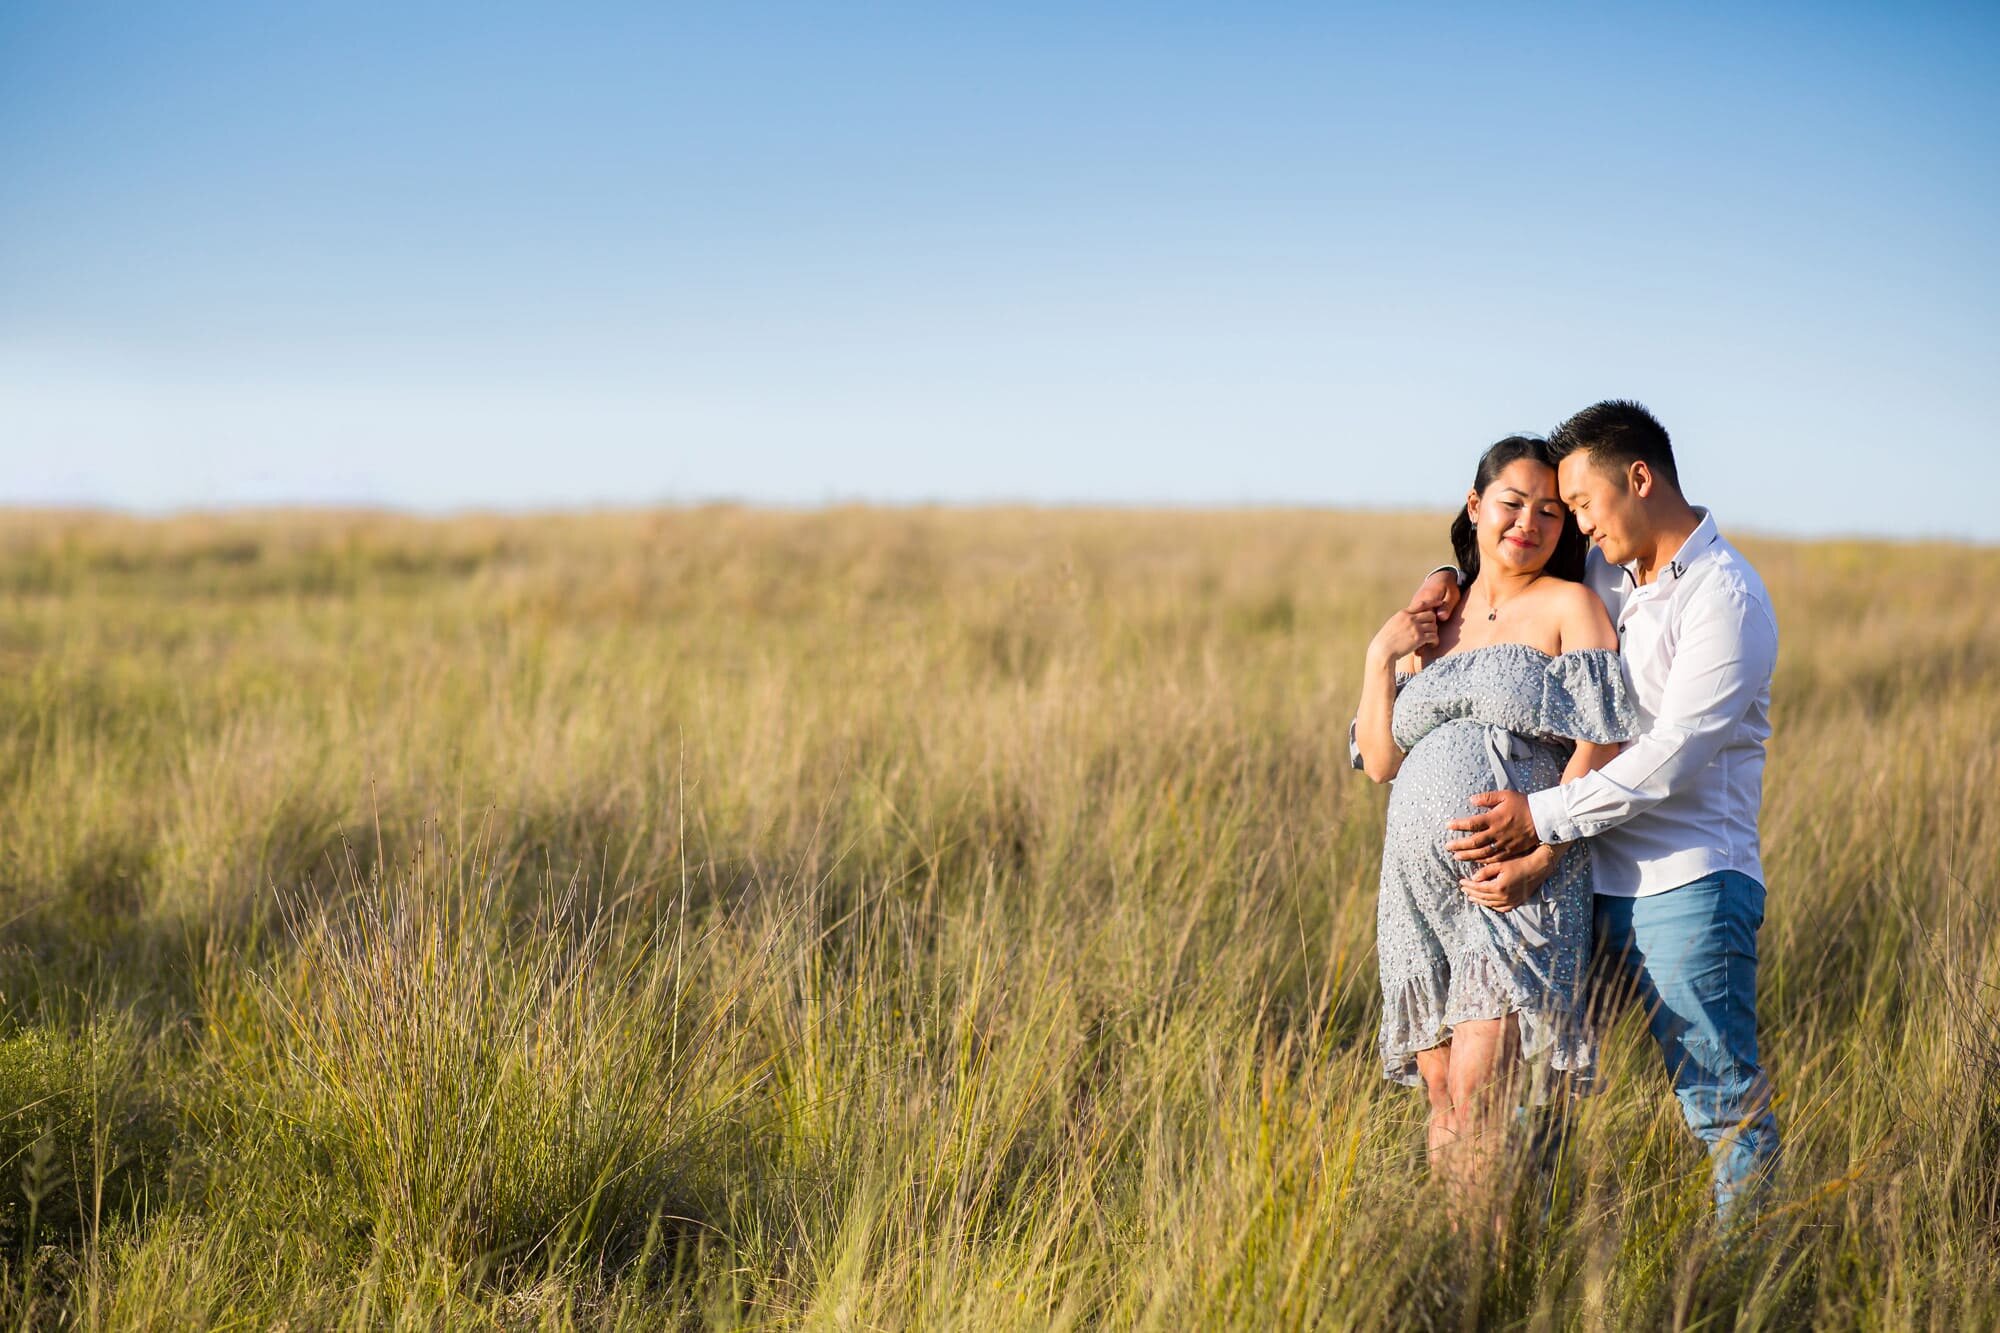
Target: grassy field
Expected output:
[890,919]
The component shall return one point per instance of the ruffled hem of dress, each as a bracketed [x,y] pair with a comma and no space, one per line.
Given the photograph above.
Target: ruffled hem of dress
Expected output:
[1420,1014]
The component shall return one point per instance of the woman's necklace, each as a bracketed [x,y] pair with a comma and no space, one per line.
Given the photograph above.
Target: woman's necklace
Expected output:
[1493,607]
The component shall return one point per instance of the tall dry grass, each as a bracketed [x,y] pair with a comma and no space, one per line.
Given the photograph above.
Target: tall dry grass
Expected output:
[879,919]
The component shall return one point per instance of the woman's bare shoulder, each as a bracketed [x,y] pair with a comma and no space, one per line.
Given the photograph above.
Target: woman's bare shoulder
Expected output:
[1581,615]
[1567,595]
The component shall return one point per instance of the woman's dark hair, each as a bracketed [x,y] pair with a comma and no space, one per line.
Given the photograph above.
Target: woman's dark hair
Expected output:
[1566,561]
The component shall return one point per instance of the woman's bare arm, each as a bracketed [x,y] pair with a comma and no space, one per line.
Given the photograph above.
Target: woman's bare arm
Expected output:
[1584,624]
[1402,635]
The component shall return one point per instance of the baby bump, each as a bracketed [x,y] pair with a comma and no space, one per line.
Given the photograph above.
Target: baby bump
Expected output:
[1458,760]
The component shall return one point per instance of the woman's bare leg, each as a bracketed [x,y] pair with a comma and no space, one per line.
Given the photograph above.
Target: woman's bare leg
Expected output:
[1435,1066]
[1481,1083]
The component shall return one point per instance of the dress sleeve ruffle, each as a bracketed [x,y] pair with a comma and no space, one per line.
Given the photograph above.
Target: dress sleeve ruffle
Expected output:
[1586,697]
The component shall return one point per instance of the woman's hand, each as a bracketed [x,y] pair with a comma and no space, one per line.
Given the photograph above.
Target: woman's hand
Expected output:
[1404,633]
[1505,885]
[1440,593]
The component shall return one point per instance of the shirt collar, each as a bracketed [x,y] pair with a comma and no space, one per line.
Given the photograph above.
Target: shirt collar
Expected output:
[1705,535]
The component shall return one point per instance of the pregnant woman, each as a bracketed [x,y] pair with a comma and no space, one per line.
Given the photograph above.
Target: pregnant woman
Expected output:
[1523,689]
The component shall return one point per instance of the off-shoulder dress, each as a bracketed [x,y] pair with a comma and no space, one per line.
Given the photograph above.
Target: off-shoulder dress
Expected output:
[1504,716]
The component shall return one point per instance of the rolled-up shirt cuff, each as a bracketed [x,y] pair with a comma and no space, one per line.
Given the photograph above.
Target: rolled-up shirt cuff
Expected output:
[1454,571]
[1549,808]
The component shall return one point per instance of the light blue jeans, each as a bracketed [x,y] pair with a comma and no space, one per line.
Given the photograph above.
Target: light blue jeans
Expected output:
[1689,956]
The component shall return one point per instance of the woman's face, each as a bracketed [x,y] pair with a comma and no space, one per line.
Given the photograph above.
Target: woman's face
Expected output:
[1519,518]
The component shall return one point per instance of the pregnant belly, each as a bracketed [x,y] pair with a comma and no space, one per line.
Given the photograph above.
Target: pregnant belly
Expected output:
[1456,761]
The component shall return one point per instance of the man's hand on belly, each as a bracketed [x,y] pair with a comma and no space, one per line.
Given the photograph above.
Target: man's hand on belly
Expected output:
[1503,831]
[1505,885]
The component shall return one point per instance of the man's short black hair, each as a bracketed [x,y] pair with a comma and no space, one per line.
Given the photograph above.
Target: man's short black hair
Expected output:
[1615,433]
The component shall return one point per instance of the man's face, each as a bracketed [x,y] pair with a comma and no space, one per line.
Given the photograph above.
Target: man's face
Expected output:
[1607,509]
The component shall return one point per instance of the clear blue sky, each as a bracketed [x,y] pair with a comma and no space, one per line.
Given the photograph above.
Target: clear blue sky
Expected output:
[538,255]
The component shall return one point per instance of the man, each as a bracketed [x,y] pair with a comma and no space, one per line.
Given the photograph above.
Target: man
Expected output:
[1673,818]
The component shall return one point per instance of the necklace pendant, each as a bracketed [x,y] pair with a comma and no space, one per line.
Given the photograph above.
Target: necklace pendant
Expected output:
[1494,614]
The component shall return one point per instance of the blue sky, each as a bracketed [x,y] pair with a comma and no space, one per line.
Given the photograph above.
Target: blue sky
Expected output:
[527,256]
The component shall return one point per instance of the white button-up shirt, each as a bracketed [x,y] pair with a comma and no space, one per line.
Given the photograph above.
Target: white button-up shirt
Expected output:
[1681,800]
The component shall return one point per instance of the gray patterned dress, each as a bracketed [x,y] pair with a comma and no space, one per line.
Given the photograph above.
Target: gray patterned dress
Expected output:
[1503,716]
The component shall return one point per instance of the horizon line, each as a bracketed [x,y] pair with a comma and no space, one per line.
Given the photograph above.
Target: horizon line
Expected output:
[441,514]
